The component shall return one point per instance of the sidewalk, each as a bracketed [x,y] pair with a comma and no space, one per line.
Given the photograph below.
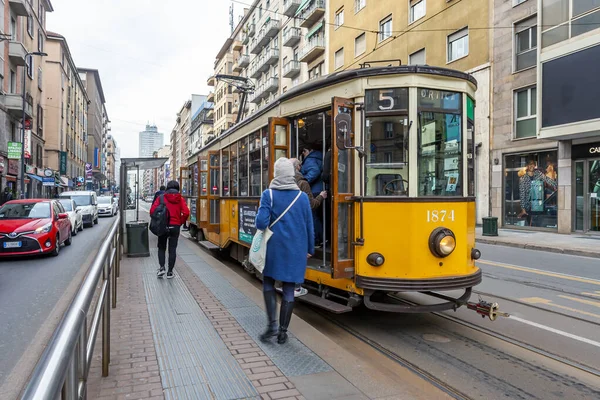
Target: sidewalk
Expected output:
[575,244]
[196,337]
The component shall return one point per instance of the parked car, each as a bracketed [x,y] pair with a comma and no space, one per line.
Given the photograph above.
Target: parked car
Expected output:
[33,226]
[87,202]
[74,215]
[107,206]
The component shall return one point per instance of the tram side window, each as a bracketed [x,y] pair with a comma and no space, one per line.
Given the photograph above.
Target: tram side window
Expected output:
[255,167]
[243,167]
[233,151]
[386,143]
[225,173]
[440,143]
[265,159]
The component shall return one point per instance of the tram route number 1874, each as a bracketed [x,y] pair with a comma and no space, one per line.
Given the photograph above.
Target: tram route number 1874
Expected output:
[440,215]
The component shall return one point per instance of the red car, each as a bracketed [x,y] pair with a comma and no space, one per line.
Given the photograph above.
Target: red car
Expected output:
[33,226]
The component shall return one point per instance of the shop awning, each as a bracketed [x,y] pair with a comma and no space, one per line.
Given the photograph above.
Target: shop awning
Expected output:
[37,178]
[302,6]
[315,29]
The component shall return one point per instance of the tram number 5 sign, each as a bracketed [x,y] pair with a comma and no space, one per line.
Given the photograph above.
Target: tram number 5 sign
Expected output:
[440,215]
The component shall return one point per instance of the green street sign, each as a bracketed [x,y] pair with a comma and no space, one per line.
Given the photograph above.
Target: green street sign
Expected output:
[14,150]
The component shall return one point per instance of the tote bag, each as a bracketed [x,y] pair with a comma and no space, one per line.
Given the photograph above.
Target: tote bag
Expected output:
[258,251]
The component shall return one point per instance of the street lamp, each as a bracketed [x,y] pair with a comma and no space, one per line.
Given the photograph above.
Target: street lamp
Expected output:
[35,53]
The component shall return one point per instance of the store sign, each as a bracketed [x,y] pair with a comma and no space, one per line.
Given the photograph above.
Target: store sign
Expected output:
[29,169]
[588,150]
[14,150]
[381,100]
[88,172]
[193,210]
[48,181]
[247,221]
[439,100]
[13,167]
[48,173]
[27,142]
[63,163]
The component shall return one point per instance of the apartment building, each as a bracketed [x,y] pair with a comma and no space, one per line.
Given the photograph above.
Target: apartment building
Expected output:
[112,173]
[159,176]
[200,127]
[223,96]
[24,28]
[97,126]
[150,140]
[363,33]
[66,111]
[179,141]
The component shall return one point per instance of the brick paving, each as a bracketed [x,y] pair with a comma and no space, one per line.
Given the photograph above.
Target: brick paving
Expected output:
[267,378]
[133,372]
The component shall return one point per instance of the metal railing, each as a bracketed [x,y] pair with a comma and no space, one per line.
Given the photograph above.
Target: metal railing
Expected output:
[63,369]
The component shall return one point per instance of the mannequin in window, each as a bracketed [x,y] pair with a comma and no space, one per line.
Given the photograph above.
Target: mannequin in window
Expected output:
[531,191]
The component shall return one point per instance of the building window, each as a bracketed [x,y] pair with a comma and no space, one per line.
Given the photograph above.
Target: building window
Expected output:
[359,5]
[339,58]
[13,82]
[385,28]
[13,30]
[30,26]
[525,113]
[29,66]
[40,121]
[531,189]
[458,45]
[517,2]
[339,18]
[417,10]
[417,58]
[360,45]
[40,41]
[557,15]
[40,78]
[526,44]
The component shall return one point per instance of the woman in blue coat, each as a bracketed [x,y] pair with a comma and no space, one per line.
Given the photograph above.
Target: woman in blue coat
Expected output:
[289,247]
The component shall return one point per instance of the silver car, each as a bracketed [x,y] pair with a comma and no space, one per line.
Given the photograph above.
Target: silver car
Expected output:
[107,206]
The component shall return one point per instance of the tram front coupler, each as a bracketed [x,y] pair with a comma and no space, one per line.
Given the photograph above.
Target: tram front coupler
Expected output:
[487,309]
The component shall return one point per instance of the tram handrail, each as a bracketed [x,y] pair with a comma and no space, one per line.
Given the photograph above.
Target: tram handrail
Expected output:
[63,368]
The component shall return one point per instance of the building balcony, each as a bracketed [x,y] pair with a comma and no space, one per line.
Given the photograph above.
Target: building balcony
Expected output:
[255,46]
[271,85]
[246,39]
[290,7]
[254,71]
[210,114]
[243,61]
[251,30]
[313,49]
[211,97]
[291,69]
[211,81]
[311,13]
[258,95]
[209,130]
[14,104]
[291,37]
[271,56]
[237,46]
[17,53]
[271,28]
[19,7]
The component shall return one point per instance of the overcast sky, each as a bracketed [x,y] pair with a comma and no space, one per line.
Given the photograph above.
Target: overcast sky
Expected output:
[151,54]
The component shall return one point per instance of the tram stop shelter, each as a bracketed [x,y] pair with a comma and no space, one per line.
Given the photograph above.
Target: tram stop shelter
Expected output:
[135,232]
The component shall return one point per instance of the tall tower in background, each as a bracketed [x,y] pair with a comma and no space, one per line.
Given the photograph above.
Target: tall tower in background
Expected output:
[150,141]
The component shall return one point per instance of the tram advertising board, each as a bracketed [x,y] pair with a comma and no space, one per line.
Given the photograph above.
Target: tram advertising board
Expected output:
[193,210]
[247,221]
[382,100]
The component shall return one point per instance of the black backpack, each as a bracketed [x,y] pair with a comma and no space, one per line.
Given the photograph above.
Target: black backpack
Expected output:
[159,220]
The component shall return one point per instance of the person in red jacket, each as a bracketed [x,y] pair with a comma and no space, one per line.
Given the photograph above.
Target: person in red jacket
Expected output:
[178,214]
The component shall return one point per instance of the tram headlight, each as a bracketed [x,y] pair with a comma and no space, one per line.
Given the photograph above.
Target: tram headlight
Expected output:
[442,242]
[375,259]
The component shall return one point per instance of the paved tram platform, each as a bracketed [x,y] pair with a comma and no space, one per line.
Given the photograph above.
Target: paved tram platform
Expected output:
[196,337]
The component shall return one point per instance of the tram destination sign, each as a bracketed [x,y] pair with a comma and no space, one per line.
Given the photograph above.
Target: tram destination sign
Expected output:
[588,150]
[247,221]
[386,100]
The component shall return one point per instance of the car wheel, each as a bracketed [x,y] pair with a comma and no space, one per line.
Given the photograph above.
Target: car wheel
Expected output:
[96,220]
[69,240]
[80,227]
[74,231]
[56,250]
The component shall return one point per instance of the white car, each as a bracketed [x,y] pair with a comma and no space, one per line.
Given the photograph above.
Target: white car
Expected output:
[107,206]
[75,216]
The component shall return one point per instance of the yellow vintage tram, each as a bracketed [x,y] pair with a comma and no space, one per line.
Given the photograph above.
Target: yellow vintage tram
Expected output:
[400,215]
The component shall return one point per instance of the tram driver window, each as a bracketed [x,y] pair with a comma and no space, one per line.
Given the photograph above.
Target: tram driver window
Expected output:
[440,143]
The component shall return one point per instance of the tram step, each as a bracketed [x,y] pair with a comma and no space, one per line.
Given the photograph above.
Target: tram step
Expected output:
[328,305]
[208,245]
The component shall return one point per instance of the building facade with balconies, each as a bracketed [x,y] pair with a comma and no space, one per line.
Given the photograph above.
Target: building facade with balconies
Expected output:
[24,26]
[378,33]
[200,127]
[66,112]
[179,141]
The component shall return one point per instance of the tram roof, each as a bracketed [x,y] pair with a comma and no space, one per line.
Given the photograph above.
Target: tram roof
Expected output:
[343,76]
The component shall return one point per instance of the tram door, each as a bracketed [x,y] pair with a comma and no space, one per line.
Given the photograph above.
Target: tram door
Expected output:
[214,182]
[342,188]
[279,129]
[203,192]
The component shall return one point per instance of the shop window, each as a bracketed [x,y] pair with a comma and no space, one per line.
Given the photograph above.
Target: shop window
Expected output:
[531,189]
[458,45]
[525,113]
[526,44]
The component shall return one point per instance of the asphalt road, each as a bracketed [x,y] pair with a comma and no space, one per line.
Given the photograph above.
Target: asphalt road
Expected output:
[31,288]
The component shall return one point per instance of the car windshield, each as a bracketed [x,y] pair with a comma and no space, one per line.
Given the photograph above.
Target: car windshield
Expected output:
[25,211]
[83,200]
[103,200]
[66,203]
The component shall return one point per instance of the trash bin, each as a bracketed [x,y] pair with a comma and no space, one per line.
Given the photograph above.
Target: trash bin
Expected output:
[137,239]
[490,226]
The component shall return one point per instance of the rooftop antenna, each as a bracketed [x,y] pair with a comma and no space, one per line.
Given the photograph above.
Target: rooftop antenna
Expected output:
[231,17]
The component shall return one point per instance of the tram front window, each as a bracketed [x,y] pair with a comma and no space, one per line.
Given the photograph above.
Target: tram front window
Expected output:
[440,143]
[386,145]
